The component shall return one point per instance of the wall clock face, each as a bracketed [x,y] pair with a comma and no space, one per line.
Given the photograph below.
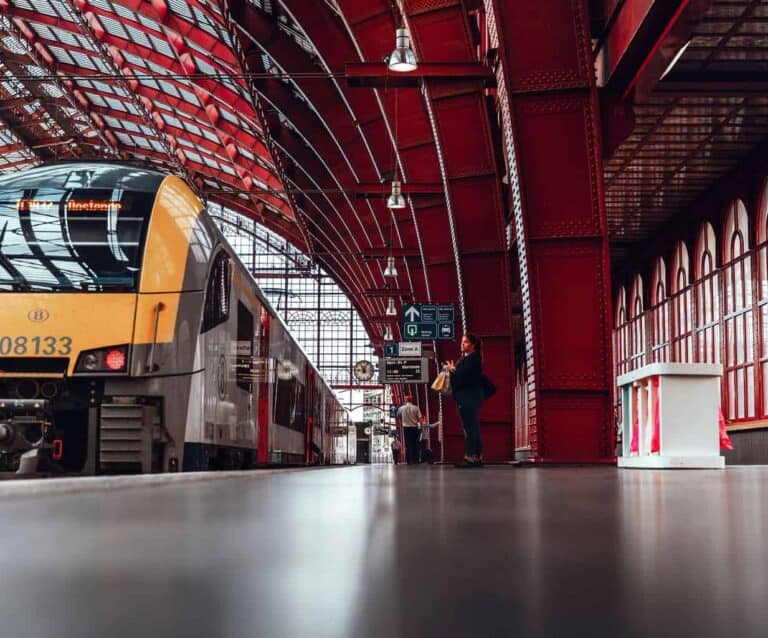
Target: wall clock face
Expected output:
[363,370]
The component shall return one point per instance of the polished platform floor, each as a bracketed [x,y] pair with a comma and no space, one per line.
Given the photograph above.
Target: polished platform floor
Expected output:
[391,552]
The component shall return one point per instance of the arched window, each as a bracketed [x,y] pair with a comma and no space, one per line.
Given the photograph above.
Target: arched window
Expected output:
[737,281]
[621,307]
[681,265]
[762,293]
[637,324]
[659,313]
[621,334]
[636,309]
[682,320]
[705,251]
[706,291]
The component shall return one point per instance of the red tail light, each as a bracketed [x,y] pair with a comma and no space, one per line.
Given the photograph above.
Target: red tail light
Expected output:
[115,359]
[58,450]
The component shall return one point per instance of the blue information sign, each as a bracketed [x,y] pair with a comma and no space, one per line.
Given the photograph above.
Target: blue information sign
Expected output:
[428,321]
[391,348]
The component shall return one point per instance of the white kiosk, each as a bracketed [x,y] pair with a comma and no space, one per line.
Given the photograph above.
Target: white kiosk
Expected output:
[670,416]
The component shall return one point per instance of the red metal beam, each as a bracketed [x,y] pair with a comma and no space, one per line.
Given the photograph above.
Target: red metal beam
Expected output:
[550,123]
[635,33]
[380,190]
[36,52]
[378,75]
[387,292]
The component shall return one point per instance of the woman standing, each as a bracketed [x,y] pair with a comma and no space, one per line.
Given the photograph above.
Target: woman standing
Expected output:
[467,389]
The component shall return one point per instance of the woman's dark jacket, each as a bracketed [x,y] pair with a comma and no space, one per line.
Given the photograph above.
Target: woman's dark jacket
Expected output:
[467,380]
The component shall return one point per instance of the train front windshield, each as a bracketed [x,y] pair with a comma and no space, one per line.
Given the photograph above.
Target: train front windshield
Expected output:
[74,227]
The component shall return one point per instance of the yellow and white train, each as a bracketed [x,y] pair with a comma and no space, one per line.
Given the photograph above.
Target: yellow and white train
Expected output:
[132,339]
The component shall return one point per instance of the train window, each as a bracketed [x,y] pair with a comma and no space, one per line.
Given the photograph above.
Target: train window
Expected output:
[216,308]
[72,239]
[244,347]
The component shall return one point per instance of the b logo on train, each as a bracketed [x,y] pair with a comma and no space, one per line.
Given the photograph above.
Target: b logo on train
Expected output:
[132,339]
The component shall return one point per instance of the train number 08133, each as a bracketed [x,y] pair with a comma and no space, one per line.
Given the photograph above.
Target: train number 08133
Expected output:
[35,345]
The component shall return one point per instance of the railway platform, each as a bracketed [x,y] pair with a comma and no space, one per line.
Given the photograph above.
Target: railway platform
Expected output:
[388,551]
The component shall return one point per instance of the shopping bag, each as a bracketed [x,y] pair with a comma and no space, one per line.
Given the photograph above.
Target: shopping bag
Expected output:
[442,383]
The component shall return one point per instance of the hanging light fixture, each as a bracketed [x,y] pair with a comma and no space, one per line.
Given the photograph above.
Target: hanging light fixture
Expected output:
[391,270]
[402,59]
[396,199]
[391,310]
[388,334]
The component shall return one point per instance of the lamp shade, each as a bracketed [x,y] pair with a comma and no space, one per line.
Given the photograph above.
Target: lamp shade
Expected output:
[396,199]
[388,334]
[391,270]
[402,59]
[391,310]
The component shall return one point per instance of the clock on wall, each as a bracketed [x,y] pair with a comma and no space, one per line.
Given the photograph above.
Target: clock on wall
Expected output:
[363,370]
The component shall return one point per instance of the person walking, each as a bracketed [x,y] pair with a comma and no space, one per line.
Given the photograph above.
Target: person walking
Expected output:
[396,445]
[468,393]
[410,417]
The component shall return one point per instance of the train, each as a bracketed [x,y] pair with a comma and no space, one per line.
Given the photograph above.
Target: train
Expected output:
[134,340]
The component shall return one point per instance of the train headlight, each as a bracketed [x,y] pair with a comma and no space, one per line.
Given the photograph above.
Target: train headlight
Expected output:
[112,360]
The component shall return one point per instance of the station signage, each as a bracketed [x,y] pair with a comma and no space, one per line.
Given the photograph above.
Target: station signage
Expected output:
[402,348]
[402,370]
[428,321]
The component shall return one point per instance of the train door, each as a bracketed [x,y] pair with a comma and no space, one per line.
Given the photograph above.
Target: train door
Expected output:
[246,423]
[262,445]
[310,420]
[218,407]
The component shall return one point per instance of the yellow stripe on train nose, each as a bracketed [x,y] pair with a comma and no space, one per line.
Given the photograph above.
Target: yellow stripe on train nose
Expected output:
[64,324]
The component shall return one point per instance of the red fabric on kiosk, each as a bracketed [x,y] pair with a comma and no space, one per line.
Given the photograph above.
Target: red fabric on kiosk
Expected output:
[725,440]
[655,434]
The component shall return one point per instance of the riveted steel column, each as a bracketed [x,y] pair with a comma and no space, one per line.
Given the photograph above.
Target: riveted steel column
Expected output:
[548,102]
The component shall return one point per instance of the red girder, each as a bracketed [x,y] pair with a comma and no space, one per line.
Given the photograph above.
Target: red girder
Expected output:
[159,12]
[550,121]
[304,120]
[182,110]
[294,148]
[203,146]
[376,74]
[198,171]
[328,126]
[39,57]
[335,47]
[234,103]
[277,223]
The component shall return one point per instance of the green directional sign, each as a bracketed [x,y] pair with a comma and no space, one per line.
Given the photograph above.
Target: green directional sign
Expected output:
[428,321]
